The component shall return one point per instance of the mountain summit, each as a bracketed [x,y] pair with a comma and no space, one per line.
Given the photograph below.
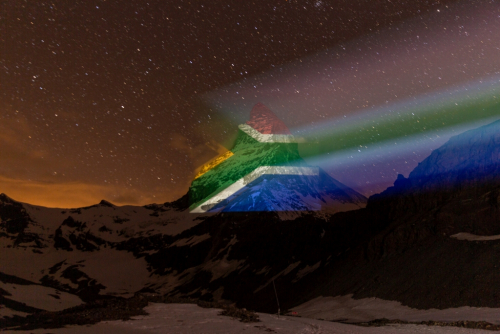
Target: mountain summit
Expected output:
[266,122]
[265,172]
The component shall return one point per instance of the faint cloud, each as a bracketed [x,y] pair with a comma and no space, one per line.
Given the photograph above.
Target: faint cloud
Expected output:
[14,132]
[129,197]
[199,154]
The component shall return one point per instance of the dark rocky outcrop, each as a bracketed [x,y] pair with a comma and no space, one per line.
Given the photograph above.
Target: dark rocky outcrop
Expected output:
[14,218]
[412,258]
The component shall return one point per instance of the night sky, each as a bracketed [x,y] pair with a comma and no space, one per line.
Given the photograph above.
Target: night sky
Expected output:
[124,100]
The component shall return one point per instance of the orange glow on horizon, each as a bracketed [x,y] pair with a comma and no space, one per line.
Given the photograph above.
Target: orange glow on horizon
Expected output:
[75,194]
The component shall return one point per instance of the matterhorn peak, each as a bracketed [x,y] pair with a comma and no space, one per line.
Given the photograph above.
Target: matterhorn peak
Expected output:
[264,172]
[266,122]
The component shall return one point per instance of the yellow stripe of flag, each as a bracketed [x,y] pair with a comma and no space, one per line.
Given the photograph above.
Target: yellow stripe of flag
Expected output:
[212,163]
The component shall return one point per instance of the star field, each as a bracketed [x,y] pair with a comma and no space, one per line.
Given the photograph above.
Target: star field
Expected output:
[123,100]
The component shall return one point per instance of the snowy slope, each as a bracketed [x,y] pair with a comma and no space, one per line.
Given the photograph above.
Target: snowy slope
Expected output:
[76,252]
[188,318]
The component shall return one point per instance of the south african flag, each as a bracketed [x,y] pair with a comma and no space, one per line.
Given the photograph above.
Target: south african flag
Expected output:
[264,172]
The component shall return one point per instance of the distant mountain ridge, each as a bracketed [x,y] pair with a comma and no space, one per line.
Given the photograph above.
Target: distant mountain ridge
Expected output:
[468,162]
[476,151]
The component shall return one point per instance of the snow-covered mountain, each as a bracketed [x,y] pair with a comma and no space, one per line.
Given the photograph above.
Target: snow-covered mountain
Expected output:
[69,256]
[76,251]
[475,152]
[264,172]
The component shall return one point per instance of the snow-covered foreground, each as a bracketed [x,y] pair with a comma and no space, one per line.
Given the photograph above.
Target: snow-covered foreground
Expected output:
[473,237]
[39,296]
[190,318]
[367,309]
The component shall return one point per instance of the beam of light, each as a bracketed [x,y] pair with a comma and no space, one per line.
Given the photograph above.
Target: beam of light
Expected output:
[405,83]
[462,107]
[383,154]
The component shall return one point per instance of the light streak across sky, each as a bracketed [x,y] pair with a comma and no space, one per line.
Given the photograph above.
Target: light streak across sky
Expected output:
[412,86]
